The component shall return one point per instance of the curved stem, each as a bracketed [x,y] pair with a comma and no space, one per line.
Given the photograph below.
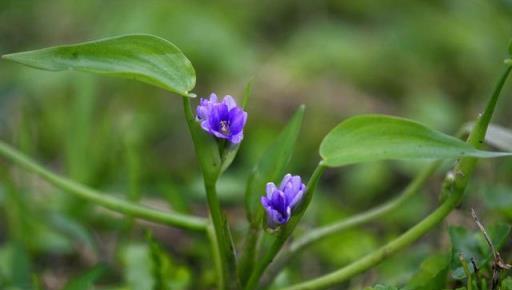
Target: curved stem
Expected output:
[364,217]
[320,233]
[477,136]
[377,256]
[103,199]
[453,189]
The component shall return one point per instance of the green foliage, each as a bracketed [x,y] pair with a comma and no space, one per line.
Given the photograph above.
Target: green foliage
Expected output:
[378,50]
[147,58]
[86,280]
[148,267]
[15,267]
[432,273]
[471,244]
[378,137]
[168,276]
[506,284]
[381,287]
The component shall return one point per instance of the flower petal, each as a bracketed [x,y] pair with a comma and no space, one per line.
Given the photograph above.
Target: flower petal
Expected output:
[229,101]
[285,181]
[205,125]
[270,189]
[264,201]
[219,134]
[237,120]
[213,98]
[235,139]
[202,110]
[296,199]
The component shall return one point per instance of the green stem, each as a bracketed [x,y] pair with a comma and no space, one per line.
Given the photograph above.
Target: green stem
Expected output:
[286,231]
[318,234]
[477,136]
[249,253]
[225,250]
[454,192]
[216,255]
[364,217]
[104,199]
[208,154]
[377,256]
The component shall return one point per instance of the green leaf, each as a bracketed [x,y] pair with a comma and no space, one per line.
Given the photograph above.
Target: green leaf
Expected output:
[86,280]
[432,273]
[379,137]
[272,165]
[143,57]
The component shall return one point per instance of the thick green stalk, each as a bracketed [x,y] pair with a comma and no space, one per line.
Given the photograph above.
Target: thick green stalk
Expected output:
[208,155]
[454,193]
[216,255]
[104,199]
[318,234]
[286,231]
[225,249]
[248,258]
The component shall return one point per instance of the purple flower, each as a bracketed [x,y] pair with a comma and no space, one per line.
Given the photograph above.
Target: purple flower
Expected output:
[279,203]
[224,120]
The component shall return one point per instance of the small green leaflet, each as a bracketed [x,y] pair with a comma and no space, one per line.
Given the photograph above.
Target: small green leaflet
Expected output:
[366,138]
[143,57]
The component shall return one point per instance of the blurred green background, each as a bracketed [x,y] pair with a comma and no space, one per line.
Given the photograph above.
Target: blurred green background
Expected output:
[433,61]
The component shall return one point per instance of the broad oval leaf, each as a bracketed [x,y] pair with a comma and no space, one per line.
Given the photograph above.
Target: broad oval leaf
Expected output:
[143,57]
[380,137]
[272,165]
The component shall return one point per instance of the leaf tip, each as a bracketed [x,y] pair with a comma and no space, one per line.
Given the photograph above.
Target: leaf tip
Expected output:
[9,56]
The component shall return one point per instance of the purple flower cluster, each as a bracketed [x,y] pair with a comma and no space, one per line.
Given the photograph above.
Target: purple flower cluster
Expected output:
[224,119]
[279,203]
